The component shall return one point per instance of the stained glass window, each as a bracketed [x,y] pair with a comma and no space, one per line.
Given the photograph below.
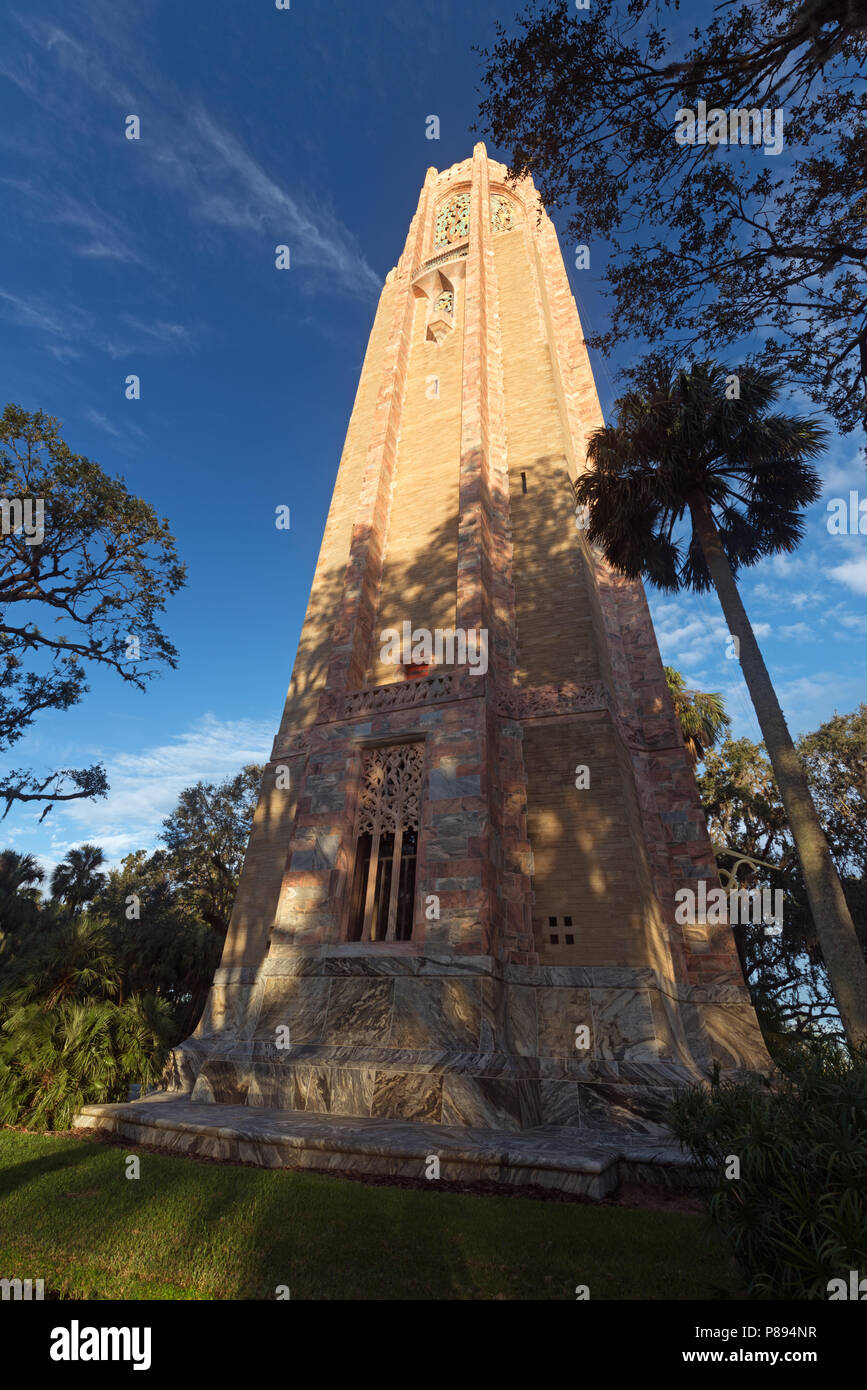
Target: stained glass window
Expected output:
[445,302]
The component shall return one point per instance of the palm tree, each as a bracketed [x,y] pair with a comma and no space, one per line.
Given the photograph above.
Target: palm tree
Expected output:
[76,879]
[701,716]
[75,960]
[83,1052]
[687,487]
[20,874]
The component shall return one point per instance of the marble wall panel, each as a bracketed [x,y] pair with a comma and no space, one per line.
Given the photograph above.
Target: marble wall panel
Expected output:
[623,1026]
[297,1000]
[480,1102]
[221,1083]
[408,1096]
[734,1037]
[340,1090]
[522,1026]
[275,1087]
[359,1011]
[434,1013]
[560,1012]
[633,1109]
[559,1103]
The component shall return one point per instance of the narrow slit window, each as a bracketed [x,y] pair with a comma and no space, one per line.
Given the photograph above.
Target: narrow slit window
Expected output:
[523,482]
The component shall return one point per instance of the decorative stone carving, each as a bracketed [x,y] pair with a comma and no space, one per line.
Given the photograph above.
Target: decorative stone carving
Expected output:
[552,699]
[502,213]
[391,789]
[401,694]
[458,254]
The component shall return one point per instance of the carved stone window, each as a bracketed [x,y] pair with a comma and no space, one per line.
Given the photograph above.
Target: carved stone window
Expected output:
[502,214]
[441,319]
[453,220]
[383,882]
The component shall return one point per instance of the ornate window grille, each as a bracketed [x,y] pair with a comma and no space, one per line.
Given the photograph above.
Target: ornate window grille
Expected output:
[383,882]
[453,220]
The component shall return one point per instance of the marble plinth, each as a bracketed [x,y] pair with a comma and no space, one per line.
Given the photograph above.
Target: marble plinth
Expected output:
[460,1042]
[589,1161]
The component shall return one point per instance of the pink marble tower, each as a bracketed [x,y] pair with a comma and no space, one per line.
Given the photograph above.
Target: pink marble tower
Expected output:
[457,906]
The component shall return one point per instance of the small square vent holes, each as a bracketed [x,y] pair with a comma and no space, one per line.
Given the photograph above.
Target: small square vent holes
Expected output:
[554,936]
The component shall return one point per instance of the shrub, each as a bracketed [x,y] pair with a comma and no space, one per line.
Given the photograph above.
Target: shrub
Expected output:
[796,1217]
[54,1060]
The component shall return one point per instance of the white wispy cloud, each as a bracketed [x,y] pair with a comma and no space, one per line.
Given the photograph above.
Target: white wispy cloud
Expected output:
[45,317]
[809,700]
[857,622]
[105,236]
[206,167]
[227,186]
[77,328]
[71,55]
[852,573]
[102,422]
[145,785]
[843,471]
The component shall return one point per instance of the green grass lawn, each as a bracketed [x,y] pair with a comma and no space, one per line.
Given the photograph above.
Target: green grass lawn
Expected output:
[188,1230]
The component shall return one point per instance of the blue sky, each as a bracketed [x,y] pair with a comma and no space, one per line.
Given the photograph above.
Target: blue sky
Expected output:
[156,257]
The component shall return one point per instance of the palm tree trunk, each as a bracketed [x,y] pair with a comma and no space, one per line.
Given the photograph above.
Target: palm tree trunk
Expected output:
[847,969]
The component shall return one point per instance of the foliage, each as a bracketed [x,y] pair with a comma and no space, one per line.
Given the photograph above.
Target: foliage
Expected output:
[796,1217]
[20,874]
[709,243]
[701,716]
[56,1058]
[65,1038]
[741,800]
[836,760]
[84,593]
[77,878]
[90,1000]
[679,441]
[162,947]
[786,974]
[206,838]
[69,960]
[20,877]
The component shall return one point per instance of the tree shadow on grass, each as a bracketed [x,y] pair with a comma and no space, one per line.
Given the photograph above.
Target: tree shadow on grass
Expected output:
[328,1237]
[19,1174]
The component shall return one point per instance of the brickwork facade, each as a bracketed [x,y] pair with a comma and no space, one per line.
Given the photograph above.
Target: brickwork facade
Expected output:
[453,511]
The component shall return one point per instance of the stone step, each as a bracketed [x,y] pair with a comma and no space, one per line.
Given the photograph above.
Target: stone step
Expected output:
[588,1162]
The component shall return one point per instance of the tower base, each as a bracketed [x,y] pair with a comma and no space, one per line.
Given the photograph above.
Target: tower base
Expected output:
[590,1163]
[344,1062]
[461,1041]
[554,1076]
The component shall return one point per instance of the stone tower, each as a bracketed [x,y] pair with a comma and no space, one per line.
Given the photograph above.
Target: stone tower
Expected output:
[458,896]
